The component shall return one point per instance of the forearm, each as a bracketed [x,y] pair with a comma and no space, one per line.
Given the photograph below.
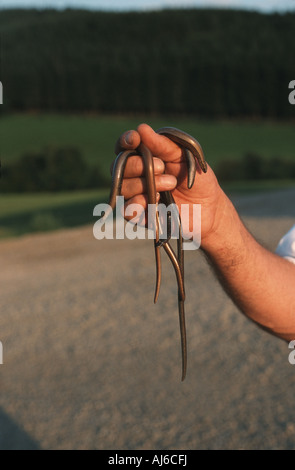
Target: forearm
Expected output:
[260,283]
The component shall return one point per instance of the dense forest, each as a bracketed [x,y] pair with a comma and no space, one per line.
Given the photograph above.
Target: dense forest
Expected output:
[208,63]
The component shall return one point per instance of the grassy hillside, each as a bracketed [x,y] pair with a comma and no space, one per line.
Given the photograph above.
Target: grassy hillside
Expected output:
[95,136]
[21,214]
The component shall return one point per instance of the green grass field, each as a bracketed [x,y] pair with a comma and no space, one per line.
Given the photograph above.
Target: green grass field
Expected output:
[20,214]
[95,137]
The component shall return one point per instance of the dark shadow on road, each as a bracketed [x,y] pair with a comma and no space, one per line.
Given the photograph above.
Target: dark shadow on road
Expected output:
[12,437]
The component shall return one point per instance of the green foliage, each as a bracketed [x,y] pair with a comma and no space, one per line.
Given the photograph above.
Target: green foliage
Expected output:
[209,63]
[254,167]
[50,170]
[95,136]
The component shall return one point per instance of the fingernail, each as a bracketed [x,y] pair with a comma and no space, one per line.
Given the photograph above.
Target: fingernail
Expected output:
[158,197]
[129,138]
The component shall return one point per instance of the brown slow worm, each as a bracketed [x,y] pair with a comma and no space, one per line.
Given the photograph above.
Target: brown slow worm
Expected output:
[193,152]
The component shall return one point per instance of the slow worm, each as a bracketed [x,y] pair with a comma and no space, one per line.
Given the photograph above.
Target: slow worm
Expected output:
[193,154]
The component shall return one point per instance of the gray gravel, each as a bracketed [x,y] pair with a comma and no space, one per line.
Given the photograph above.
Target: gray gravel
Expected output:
[91,363]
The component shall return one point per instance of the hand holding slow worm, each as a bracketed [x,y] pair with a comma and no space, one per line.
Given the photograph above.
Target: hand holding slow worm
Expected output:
[175,147]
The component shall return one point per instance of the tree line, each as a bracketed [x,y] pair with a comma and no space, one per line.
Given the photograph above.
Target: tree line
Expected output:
[206,63]
[63,169]
[51,169]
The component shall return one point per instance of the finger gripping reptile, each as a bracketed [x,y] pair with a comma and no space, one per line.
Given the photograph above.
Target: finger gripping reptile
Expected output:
[194,157]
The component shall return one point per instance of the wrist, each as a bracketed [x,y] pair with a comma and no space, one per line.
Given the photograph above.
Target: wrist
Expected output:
[226,236]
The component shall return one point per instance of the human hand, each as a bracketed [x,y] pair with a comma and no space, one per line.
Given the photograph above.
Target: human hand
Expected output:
[168,158]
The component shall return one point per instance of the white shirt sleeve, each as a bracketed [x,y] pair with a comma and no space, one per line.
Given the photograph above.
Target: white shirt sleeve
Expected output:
[286,246]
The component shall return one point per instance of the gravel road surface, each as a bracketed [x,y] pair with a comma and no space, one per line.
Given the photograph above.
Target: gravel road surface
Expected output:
[91,363]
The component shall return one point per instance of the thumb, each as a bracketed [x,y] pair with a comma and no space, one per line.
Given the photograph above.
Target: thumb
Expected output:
[159,145]
[127,141]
